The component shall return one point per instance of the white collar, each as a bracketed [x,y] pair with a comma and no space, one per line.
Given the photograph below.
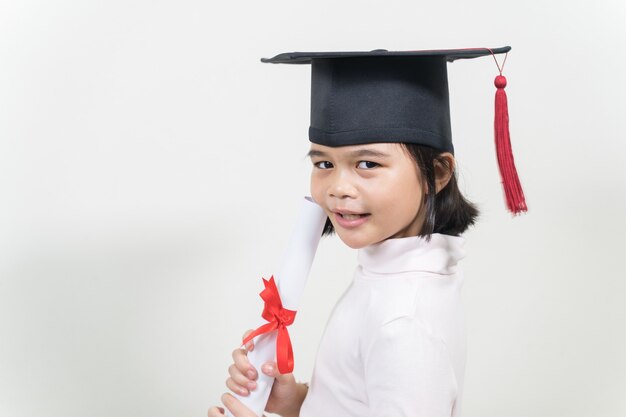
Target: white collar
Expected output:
[414,253]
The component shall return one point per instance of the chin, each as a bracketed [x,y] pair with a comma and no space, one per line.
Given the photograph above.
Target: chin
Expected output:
[353,242]
[355,245]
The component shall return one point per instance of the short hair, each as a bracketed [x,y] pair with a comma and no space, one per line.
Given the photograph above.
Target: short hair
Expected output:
[447,212]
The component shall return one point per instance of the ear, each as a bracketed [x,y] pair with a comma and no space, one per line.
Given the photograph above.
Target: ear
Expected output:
[444,170]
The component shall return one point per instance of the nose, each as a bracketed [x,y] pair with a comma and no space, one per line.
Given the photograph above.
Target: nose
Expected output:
[342,186]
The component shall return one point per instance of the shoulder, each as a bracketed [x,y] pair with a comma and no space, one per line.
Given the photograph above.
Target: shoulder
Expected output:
[406,334]
[410,367]
[390,298]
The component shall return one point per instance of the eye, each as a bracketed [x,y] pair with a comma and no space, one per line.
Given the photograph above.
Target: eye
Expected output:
[367,164]
[323,165]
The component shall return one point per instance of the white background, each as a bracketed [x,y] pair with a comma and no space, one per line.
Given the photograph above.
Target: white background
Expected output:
[151,167]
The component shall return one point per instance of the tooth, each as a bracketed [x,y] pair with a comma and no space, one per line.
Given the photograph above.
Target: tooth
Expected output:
[351,216]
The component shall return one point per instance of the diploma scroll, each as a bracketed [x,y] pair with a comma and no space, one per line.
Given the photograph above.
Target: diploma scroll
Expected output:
[290,280]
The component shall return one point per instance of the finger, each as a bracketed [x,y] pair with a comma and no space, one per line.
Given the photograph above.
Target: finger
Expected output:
[236,388]
[236,407]
[215,412]
[238,376]
[238,382]
[250,344]
[243,364]
[271,369]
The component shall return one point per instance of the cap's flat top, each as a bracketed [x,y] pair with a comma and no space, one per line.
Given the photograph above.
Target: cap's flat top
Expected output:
[449,54]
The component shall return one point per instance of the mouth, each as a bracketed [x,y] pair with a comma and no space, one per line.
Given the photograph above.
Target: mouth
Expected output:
[350,216]
[350,220]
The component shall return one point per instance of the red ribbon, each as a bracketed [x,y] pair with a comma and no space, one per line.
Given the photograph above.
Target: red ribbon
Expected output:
[279,318]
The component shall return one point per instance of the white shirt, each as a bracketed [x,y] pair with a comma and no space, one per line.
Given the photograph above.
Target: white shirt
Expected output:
[395,342]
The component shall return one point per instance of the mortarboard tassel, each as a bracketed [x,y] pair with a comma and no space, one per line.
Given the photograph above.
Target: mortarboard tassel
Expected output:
[515,200]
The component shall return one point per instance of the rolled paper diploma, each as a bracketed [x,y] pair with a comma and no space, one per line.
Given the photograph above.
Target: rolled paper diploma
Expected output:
[291,280]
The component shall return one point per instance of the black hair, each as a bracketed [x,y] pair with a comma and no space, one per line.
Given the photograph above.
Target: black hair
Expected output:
[447,212]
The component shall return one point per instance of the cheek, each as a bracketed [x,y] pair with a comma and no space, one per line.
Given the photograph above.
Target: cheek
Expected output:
[413,197]
[402,196]
[317,189]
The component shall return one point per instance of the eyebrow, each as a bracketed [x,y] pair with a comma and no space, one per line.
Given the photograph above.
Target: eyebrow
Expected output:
[354,154]
[313,153]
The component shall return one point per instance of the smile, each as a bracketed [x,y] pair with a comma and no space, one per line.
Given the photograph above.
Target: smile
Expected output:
[351,216]
[350,220]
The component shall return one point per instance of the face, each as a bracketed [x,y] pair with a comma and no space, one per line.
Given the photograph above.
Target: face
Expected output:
[370,192]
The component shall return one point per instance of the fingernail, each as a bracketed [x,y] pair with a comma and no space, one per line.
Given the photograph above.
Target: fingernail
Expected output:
[250,374]
[243,391]
[268,369]
[251,385]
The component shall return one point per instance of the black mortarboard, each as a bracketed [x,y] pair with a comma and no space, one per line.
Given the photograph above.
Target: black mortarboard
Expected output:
[394,96]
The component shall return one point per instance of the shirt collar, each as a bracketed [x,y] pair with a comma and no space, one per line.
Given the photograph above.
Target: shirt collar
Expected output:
[438,256]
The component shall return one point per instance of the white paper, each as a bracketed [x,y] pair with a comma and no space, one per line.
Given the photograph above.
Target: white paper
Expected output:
[290,279]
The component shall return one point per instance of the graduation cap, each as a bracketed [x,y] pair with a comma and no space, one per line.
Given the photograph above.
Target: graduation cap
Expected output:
[397,96]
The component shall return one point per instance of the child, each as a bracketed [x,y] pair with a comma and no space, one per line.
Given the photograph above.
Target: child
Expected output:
[384,172]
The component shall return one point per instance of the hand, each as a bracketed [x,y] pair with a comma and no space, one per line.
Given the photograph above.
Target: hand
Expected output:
[235,406]
[286,396]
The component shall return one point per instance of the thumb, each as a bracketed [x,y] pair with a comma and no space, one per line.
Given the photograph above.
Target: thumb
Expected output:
[271,369]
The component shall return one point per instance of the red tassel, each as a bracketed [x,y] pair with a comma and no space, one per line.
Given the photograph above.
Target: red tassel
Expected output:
[515,200]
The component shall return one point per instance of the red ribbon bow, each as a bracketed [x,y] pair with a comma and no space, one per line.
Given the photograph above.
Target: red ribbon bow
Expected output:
[279,318]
